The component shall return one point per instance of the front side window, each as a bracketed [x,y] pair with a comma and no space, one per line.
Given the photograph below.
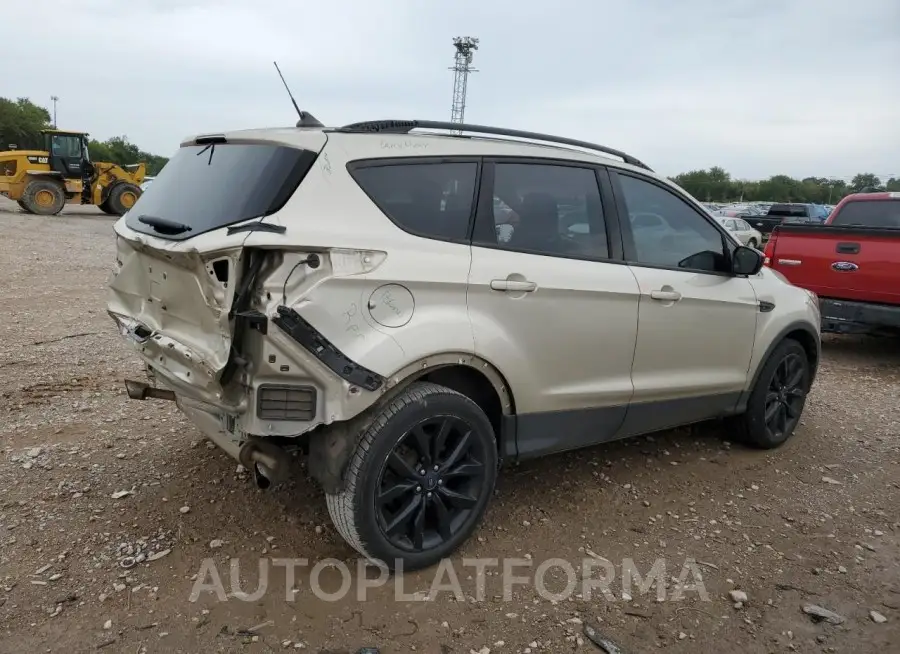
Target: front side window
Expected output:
[668,232]
[427,199]
[548,209]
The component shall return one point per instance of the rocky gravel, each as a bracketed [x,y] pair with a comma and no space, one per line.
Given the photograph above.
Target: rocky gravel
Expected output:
[112,512]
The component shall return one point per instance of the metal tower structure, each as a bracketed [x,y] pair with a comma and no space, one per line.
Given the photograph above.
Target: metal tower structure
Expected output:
[462,66]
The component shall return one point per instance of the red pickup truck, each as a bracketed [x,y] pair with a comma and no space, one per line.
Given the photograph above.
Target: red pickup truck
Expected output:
[852,262]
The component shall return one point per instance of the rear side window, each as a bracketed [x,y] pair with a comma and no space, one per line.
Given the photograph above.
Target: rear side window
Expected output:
[869,213]
[552,210]
[433,200]
[205,187]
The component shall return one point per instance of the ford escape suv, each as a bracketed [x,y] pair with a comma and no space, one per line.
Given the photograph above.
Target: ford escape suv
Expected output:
[411,303]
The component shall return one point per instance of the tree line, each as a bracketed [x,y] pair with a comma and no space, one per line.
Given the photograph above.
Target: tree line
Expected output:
[717,185]
[21,122]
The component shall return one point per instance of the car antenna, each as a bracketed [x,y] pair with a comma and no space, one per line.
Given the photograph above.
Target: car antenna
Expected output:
[306,118]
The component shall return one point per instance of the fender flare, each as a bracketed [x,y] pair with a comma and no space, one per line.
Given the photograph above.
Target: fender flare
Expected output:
[782,335]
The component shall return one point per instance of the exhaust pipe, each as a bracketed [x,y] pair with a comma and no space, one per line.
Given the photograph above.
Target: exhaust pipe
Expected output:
[141,391]
[269,463]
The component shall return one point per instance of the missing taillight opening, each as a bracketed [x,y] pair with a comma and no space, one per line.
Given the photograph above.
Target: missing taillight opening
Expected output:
[220,270]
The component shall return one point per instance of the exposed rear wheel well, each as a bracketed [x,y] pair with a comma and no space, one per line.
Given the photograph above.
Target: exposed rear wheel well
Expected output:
[474,385]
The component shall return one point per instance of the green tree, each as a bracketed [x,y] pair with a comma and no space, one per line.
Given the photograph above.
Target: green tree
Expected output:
[121,151]
[866,181]
[893,184]
[21,122]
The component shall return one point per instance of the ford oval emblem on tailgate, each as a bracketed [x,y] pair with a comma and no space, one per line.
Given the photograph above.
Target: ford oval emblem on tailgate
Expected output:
[844,266]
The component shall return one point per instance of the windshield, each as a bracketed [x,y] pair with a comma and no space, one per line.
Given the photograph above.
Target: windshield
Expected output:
[205,187]
[869,213]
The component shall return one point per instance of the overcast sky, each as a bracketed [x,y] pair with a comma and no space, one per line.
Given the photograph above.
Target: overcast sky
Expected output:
[760,87]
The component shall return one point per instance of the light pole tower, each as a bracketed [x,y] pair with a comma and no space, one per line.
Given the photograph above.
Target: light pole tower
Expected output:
[462,66]
[54,99]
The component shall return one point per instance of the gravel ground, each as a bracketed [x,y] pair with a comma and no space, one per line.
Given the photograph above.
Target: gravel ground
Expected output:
[90,481]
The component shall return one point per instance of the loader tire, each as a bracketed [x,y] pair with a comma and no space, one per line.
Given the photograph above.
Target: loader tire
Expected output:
[23,206]
[121,198]
[104,207]
[44,197]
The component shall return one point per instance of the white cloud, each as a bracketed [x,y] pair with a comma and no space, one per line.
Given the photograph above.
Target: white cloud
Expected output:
[803,87]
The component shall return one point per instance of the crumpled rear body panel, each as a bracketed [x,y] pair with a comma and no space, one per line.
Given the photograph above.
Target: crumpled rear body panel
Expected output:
[173,310]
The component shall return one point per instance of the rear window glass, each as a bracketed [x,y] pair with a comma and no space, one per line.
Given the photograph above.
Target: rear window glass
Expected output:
[206,187]
[799,210]
[427,199]
[869,213]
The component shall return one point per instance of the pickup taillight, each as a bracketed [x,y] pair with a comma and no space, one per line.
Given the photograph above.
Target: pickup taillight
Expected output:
[769,252]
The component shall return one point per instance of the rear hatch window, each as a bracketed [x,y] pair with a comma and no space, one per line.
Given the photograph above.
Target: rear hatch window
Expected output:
[789,210]
[869,213]
[212,185]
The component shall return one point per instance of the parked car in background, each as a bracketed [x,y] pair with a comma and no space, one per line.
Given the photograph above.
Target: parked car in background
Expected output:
[783,212]
[852,263]
[742,231]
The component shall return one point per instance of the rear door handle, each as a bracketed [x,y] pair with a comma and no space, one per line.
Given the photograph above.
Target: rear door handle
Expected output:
[665,296]
[512,285]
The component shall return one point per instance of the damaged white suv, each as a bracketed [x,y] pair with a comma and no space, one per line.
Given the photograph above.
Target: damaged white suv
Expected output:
[411,308]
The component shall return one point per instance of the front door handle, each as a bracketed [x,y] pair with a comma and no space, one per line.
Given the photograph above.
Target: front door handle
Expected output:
[512,285]
[665,295]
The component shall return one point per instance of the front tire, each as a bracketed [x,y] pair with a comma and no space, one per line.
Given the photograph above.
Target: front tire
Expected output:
[420,479]
[104,207]
[777,399]
[121,198]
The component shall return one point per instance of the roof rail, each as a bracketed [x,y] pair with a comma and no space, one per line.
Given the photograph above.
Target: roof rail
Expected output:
[406,126]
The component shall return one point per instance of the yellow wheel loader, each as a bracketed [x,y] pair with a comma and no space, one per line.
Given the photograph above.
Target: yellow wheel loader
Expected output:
[43,182]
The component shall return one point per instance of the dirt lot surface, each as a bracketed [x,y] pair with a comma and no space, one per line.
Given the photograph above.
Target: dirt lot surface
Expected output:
[815,522]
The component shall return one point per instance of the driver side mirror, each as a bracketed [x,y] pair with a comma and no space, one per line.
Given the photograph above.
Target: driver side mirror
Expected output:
[746,261]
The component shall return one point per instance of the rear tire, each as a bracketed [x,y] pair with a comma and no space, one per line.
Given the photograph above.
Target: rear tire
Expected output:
[121,198]
[777,399]
[420,479]
[44,197]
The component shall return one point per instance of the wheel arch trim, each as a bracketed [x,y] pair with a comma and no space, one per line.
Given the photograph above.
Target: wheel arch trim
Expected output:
[421,367]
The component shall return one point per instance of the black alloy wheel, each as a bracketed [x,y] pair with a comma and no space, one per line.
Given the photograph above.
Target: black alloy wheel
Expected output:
[777,398]
[786,395]
[430,484]
[419,480]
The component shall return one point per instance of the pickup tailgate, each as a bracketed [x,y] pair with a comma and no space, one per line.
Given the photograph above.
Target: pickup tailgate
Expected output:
[844,263]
